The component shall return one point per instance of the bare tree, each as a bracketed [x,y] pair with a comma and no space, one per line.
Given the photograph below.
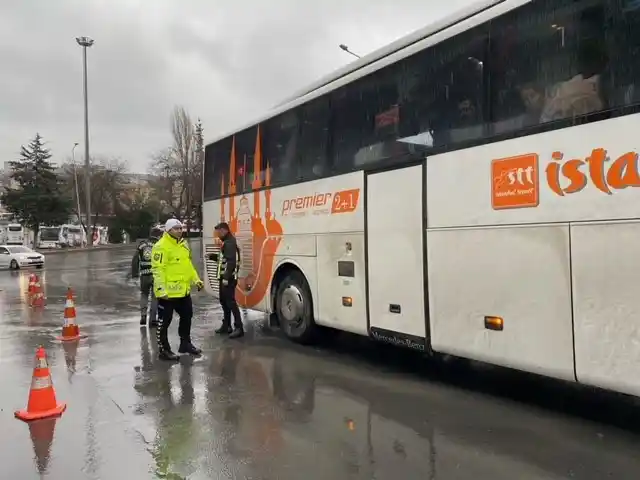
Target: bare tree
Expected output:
[183,132]
[165,181]
[178,169]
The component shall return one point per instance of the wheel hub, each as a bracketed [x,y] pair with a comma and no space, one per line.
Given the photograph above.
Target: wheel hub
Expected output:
[292,304]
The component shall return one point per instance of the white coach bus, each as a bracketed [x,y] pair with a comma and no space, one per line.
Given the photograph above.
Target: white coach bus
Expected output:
[468,190]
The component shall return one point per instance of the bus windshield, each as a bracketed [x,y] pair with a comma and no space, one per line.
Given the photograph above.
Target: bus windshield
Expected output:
[15,228]
[49,233]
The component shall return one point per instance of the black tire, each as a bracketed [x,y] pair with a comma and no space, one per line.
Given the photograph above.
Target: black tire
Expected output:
[294,308]
[14,265]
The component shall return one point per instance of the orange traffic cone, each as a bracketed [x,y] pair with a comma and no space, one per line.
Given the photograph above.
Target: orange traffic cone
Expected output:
[37,299]
[42,396]
[70,331]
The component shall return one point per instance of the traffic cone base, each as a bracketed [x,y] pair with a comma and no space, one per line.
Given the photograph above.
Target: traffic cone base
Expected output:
[70,333]
[29,417]
[42,396]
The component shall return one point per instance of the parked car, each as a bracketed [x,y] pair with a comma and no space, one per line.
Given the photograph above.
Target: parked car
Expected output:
[15,257]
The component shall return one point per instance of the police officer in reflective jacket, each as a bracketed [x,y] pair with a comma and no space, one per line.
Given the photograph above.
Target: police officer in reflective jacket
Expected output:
[228,266]
[173,276]
[141,267]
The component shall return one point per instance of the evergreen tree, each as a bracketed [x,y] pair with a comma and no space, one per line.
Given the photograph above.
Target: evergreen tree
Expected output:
[38,198]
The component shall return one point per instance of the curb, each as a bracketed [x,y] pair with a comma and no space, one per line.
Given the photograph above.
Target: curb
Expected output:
[119,246]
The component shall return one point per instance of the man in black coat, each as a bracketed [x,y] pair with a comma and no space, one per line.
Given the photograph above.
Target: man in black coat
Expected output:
[228,266]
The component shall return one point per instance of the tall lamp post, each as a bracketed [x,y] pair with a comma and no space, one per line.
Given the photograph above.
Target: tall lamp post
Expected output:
[86,42]
[75,175]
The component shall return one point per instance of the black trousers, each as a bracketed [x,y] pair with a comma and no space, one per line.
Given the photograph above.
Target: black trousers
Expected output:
[229,304]
[184,308]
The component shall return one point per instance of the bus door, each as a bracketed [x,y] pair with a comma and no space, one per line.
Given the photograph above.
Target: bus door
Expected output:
[395,232]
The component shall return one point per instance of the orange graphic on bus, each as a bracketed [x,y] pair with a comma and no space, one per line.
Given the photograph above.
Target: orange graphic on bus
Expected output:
[257,231]
[577,172]
[515,182]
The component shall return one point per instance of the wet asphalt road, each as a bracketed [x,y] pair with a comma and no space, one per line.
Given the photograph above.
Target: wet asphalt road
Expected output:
[263,408]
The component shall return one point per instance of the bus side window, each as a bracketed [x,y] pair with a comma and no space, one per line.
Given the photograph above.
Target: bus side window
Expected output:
[624,33]
[217,159]
[313,146]
[561,74]
[244,161]
[443,95]
[280,141]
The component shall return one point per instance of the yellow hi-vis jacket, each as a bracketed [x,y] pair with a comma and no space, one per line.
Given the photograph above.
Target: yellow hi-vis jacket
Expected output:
[173,272]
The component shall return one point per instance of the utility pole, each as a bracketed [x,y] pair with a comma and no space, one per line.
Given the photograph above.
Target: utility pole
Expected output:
[86,42]
[75,175]
[200,157]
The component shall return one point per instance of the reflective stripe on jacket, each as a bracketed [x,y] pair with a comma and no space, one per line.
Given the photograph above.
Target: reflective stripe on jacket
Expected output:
[144,257]
[173,271]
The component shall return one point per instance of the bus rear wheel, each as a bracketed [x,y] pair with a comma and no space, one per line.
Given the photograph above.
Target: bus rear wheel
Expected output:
[294,308]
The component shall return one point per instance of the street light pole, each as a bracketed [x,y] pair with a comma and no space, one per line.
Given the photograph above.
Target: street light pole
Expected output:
[86,42]
[346,49]
[75,175]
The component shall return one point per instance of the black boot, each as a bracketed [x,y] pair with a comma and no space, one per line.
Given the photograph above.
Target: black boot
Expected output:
[187,347]
[165,352]
[143,320]
[224,330]
[237,333]
[168,355]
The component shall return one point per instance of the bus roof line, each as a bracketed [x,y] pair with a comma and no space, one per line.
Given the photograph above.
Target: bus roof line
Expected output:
[369,60]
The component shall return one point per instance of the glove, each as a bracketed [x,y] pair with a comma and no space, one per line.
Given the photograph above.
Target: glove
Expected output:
[199,285]
[225,282]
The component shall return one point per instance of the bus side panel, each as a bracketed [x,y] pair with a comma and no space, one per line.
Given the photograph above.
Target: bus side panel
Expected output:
[341,273]
[274,224]
[606,282]
[521,274]
[460,192]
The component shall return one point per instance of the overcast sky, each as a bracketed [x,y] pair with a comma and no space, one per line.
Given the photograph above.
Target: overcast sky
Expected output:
[224,61]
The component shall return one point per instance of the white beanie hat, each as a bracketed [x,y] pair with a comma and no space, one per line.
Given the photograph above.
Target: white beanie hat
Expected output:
[172,223]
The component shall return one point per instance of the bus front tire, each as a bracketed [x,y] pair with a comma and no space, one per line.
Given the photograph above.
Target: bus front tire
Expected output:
[294,308]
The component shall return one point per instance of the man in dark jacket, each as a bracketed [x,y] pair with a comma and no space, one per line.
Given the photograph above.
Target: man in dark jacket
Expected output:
[228,266]
[141,267]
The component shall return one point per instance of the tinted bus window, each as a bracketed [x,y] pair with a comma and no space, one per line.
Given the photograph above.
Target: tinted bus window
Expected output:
[444,101]
[562,74]
[280,137]
[217,157]
[313,147]
[246,144]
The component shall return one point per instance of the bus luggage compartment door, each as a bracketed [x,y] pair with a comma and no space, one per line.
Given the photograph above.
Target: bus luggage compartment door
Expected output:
[395,256]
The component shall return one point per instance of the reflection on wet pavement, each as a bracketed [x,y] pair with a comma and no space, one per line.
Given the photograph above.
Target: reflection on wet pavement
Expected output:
[261,407]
